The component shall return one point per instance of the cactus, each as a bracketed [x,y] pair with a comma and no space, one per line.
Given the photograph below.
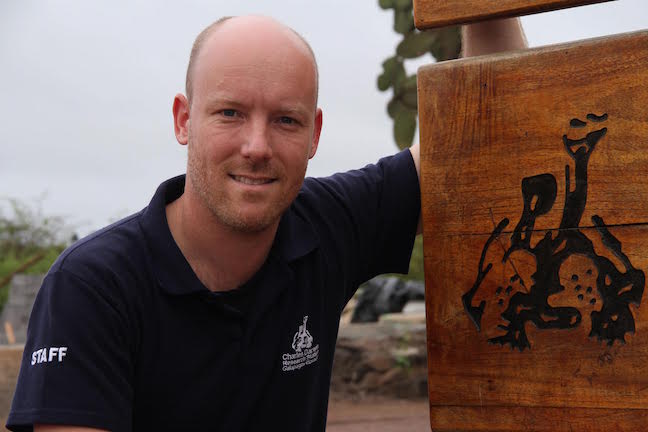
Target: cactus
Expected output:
[404,128]
[443,44]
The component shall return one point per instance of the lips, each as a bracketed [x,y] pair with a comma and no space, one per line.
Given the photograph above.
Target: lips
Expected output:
[253,181]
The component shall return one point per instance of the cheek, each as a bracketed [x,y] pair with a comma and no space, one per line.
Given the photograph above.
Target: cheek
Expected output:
[296,165]
[212,146]
[295,152]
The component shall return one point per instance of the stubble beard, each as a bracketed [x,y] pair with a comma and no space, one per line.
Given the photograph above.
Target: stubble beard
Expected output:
[226,212]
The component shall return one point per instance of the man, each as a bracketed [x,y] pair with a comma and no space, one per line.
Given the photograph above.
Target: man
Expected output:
[217,306]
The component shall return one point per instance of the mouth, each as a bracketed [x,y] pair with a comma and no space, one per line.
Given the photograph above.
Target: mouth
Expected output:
[251,180]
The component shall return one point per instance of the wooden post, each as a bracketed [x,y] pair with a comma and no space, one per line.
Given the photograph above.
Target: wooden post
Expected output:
[439,13]
[11,337]
[535,210]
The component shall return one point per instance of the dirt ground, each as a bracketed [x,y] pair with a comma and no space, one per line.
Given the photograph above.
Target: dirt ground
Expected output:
[378,415]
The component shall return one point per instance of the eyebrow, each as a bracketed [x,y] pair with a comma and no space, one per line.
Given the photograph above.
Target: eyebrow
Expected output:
[294,110]
[222,101]
[298,109]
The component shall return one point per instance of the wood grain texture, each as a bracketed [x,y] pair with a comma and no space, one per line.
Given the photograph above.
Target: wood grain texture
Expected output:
[515,419]
[491,129]
[439,13]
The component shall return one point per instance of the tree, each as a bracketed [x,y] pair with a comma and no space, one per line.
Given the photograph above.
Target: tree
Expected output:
[442,44]
[29,240]
[26,230]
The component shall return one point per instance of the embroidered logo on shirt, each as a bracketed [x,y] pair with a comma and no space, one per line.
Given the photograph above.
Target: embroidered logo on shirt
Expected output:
[47,355]
[305,353]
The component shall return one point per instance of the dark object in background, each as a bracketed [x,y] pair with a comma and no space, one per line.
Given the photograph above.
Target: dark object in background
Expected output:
[382,295]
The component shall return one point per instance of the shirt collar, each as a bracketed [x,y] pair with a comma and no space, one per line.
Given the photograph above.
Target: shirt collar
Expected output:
[295,239]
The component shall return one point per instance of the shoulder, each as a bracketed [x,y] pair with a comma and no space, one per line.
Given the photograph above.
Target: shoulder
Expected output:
[392,178]
[397,169]
[110,266]
[100,281]
[126,244]
[120,244]
[362,215]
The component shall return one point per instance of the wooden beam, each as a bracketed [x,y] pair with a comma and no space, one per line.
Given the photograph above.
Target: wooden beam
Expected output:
[440,13]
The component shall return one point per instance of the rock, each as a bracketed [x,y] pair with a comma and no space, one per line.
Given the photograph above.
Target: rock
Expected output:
[414,308]
[370,381]
[381,359]
[391,375]
[403,318]
[383,295]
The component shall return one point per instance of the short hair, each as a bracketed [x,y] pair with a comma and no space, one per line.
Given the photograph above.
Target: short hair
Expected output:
[207,32]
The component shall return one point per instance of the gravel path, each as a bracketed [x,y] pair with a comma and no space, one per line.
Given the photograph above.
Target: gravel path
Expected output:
[378,415]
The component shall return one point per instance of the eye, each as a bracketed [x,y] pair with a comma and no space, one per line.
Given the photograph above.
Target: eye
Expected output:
[229,112]
[287,120]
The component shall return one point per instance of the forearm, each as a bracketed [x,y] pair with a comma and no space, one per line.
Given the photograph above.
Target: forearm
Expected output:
[415,150]
[492,36]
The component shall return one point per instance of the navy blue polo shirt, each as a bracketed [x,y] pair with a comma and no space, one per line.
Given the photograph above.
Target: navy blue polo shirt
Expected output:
[123,336]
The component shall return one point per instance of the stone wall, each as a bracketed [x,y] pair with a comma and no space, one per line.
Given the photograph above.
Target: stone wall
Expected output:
[15,314]
[386,358]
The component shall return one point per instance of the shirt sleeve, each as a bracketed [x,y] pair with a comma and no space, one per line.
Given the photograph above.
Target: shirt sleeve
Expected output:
[370,218]
[76,368]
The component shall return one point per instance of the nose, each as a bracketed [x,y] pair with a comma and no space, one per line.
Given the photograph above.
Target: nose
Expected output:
[257,142]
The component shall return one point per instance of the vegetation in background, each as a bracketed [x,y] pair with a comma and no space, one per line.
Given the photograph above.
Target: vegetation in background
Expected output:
[416,262]
[29,241]
[443,44]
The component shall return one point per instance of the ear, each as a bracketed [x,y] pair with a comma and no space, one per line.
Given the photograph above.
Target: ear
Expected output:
[181,118]
[317,129]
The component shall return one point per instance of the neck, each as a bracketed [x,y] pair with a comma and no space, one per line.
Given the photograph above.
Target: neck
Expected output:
[220,256]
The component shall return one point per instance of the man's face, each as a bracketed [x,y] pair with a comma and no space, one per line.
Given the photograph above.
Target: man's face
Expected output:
[253,125]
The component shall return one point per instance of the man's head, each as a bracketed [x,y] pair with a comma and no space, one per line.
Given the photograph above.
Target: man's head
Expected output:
[206,33]
[250,120]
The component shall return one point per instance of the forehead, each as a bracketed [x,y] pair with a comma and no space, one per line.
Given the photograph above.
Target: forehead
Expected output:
[255,53]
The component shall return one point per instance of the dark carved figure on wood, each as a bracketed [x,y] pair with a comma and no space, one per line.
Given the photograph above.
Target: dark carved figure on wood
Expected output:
[603,289]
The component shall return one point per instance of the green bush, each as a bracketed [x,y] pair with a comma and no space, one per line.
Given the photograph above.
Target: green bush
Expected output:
[416,262]
[29,241]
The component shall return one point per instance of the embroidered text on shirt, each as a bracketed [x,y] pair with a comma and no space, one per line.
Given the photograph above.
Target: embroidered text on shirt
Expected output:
[47,355]
[305,353]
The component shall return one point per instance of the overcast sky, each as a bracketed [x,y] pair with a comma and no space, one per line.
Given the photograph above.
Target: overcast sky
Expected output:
[87,88]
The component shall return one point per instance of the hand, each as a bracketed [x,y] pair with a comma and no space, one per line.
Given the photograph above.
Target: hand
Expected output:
[494,36]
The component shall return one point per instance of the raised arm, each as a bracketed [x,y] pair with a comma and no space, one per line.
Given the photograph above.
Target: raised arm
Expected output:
[492,36]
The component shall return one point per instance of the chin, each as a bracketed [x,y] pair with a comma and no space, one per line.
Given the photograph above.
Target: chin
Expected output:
[251,226]
[252,221]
